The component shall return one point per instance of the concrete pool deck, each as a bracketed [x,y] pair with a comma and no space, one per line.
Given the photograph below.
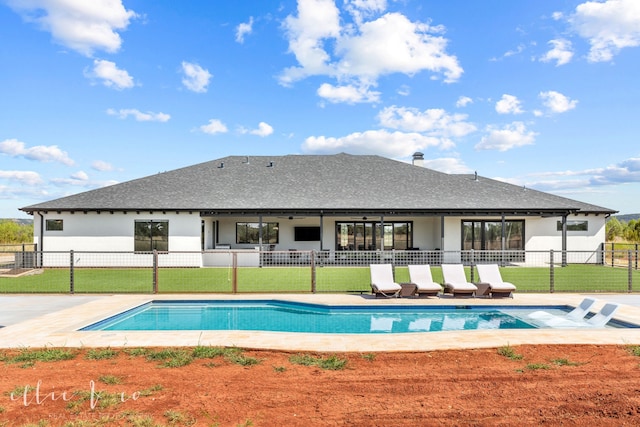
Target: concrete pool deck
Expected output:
[34,321]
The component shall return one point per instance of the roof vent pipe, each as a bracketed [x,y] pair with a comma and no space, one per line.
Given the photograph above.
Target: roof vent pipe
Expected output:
[246,160]
[221,165]
[418,159]
[270,165]
[475,178]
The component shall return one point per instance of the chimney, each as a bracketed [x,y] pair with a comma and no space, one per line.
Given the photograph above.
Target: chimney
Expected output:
[418,159]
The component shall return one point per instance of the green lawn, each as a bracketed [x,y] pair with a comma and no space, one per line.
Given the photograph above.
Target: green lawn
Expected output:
[573,278]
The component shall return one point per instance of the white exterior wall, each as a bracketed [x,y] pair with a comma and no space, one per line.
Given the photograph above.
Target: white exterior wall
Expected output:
[92,233]
[107,232]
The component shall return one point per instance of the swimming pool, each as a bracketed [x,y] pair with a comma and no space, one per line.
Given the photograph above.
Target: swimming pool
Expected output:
[285,316]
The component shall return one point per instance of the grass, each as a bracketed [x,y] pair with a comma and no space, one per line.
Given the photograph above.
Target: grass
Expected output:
[508,352]
[110,379]
[100,354]
[27,357]
[572,278]
[333,362]
[170,357]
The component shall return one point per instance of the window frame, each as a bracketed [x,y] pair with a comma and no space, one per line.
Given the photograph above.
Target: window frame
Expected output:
[159,244]
[269,231]
[49,225]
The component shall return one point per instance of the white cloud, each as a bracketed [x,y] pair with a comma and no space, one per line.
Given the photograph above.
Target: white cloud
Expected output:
[557,102]
[213,127]
[23,177]
[110,74]
[84,26]
[511,136]
[394,44]
[243,29]
[361,9]
[609,26]
[139,115]
[316,20]
[561,52]
[264,129]
[434,122]
[41,153]
[447,165]
[463,101]
[625,172]
[390,144]
[80,176]
[358,53]
[509,104]
[196,78]
[102,166]
[348,94]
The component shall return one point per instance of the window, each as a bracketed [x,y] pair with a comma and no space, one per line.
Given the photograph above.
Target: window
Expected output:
[54,225]
[487,235]
[575,225]
[366,236]
[249,232]
[151,235]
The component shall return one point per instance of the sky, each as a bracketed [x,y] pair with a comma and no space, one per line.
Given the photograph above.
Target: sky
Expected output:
[539,93]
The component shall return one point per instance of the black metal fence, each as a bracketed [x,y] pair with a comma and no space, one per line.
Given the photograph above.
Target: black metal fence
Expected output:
[244,271]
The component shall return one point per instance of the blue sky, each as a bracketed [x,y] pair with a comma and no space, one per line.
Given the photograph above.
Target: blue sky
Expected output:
[539,93]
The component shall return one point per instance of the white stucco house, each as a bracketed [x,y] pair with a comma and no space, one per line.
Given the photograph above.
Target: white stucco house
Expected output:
[328,203]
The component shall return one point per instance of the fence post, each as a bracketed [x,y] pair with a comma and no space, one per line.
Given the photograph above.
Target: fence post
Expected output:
[155,271]
[630,273]
[552,284]
[613,255]
[312,258]
[71,273]
[471,263]
[234,280]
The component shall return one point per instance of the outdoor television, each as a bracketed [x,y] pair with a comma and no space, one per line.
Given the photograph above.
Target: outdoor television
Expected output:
[306,234]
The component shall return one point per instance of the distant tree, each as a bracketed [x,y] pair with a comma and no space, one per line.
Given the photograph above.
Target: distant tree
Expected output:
[12,232]
[632,231]
[614,229]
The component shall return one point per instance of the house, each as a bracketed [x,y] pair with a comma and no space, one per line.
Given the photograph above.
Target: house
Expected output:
[328,203]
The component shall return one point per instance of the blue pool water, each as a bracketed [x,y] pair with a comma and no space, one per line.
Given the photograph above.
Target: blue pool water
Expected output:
[299,317]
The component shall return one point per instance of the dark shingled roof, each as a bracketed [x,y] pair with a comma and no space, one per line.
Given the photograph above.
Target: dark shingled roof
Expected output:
[339,183]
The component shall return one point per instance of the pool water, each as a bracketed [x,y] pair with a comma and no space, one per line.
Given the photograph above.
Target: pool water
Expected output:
[300,317]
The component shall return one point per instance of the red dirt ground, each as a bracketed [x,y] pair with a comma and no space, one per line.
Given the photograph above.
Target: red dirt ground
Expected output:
[551,385]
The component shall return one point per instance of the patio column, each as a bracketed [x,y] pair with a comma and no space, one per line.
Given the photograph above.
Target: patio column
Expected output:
[260,231]
[321,231]
[382,232]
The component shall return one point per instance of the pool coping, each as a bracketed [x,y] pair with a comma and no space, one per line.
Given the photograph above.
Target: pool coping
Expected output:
[60,328]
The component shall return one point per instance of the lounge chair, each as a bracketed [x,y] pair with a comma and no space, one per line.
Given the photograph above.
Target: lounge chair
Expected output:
[577,313]
[598,320]
[382,283]
[455,280]
[490,277]
[420,275]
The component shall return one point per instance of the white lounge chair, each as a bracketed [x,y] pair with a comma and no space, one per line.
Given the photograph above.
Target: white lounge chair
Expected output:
[420,275]
[382,283]
[577,313]
[455,280]
[491,281]
[599,320]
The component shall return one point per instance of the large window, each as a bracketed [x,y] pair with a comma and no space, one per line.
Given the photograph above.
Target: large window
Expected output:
[574,226]
[368,236]
[487,235]
[54,225]
[249,232]
[151,235]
